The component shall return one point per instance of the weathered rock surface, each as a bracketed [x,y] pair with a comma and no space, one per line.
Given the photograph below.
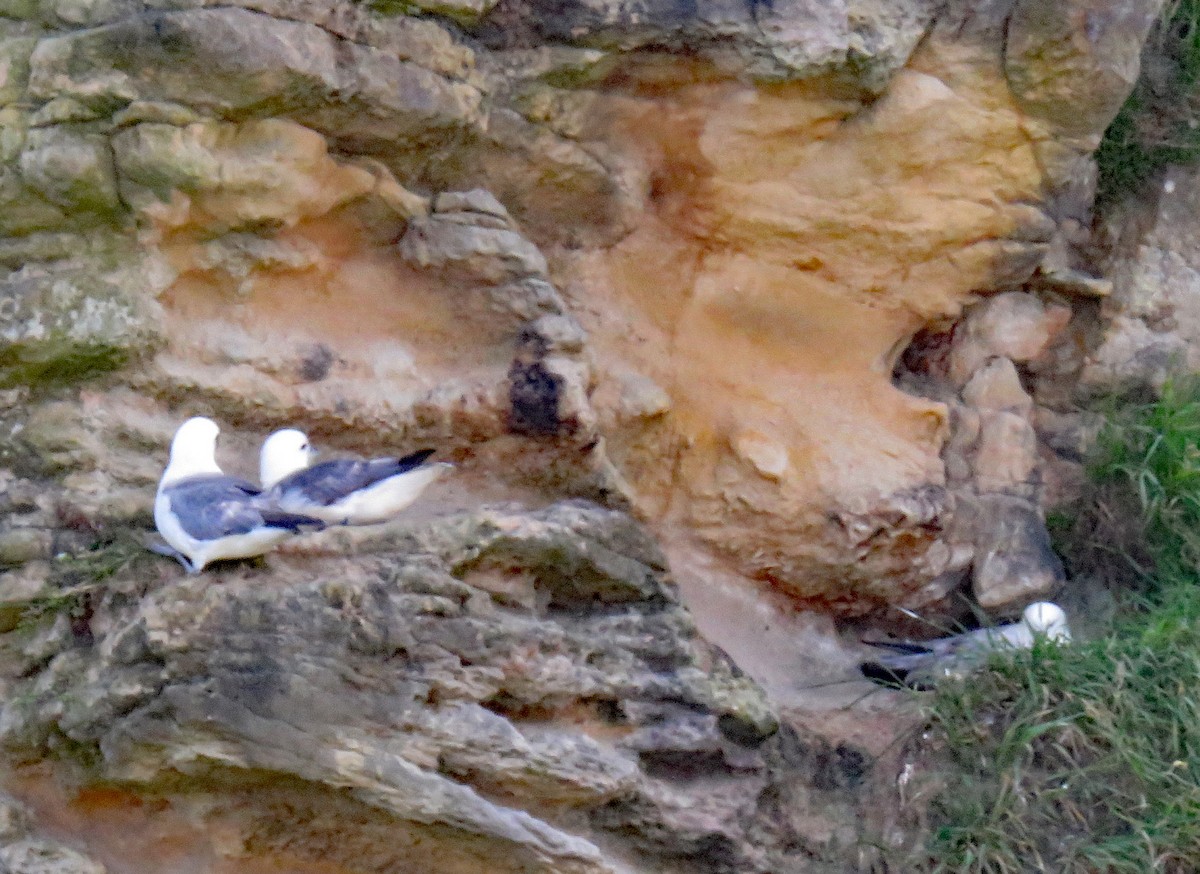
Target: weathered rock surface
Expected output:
[1151,326]
[22,851]
[494,691]
[669,259]
[263,157]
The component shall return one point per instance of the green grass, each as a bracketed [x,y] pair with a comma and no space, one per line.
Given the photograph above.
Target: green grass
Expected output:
[1158,123]
[1086,758]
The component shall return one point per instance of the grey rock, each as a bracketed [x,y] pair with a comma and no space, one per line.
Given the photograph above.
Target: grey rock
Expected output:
[71,170]
[1150,328]
[789,40]
[997,386]
[477,200]
[1015,563]
[1073,282]
[36,856]
[466,241]
[71,320]
[23,852]
[14,57]
[21,545]
[1072,64]
[398,679]
[229,61]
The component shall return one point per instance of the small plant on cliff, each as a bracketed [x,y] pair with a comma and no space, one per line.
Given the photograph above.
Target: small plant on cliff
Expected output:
[1087,758]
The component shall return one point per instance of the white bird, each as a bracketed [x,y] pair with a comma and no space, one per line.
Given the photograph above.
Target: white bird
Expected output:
[205,515]
[921,665]
[342,491]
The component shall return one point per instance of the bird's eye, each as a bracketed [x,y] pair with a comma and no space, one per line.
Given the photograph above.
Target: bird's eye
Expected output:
[305,447]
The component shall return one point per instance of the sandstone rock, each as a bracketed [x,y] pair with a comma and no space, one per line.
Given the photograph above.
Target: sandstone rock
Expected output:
[997,386]
[273,150]
[369,676]
[1005,459]
[1014,561]
[271,172]
[644,253]
[1013,325]
[641,397]
[769,457]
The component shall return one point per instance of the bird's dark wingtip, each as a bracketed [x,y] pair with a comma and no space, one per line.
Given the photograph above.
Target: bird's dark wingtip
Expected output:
[415,459]
[903,646]
[877,672]
[292,521]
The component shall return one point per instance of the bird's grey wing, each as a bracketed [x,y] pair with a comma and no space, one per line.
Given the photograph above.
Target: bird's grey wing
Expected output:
[212,507]
[330,481]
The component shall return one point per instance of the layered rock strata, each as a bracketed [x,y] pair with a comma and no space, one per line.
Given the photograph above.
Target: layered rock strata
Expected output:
[494,691]
[733,220]
[666,259]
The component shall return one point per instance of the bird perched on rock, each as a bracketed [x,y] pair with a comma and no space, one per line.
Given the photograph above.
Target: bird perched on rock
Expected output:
[205,515]
[921,665]
[342,491]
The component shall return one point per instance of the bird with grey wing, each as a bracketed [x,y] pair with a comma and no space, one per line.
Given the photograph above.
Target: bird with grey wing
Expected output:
[205,515]
[341,491]
[920,665]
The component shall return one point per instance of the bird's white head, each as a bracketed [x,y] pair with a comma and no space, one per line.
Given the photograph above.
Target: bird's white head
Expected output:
[282,454]
[1047,619]
[193,450]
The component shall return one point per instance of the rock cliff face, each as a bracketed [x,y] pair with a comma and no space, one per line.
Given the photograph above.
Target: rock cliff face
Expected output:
[800,286]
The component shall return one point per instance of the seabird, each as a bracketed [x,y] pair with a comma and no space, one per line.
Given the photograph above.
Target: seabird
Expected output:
[342,491]
[205,515]
[921,665]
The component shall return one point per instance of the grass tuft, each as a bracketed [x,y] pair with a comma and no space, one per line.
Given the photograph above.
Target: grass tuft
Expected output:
[1086,758]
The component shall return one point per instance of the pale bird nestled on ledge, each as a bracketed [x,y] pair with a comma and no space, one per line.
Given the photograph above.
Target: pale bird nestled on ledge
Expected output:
[920,665]
[341,491]
[205,515]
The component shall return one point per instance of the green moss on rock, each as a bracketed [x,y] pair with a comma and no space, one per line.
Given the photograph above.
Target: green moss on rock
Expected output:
[65,327]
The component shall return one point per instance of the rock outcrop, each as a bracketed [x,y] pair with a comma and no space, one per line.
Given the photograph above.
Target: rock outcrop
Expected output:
[801,287]
[731,216]
[497,691]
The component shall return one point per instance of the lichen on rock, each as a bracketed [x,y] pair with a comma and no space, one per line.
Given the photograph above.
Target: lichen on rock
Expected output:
[66,322]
